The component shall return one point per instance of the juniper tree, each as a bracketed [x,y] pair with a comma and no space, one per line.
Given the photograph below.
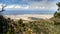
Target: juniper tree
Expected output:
[58,4]
[57,13]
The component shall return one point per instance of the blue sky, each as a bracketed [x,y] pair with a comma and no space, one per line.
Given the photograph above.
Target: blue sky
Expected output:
[30,4]
[25,1]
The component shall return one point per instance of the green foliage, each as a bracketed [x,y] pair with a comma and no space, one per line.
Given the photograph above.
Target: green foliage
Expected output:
[37,27]
[3,25]
[20,21]
[58,4]
[56,18]
[41,26]
[57,14]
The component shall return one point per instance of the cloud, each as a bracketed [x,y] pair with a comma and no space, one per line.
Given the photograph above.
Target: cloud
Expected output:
[29,7]
[40,5]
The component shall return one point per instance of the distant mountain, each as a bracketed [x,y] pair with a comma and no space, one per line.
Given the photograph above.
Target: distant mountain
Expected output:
[17,12]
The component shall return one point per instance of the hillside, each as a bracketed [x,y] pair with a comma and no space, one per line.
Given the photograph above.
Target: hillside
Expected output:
[33,26]
[41,26]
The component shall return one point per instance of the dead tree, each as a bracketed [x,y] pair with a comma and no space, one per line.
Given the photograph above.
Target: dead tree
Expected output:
[2,9]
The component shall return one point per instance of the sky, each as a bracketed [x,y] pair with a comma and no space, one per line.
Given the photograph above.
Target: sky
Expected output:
[30,4]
